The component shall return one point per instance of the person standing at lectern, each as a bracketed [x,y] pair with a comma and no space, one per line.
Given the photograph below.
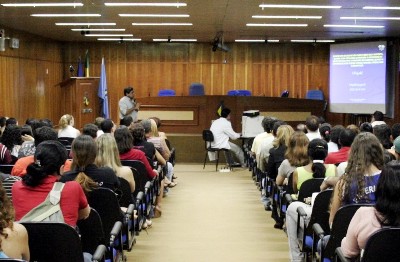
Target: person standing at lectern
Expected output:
[128,106]
[222,131]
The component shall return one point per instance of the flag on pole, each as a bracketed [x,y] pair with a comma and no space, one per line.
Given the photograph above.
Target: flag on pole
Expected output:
[80,68]
[87,63]
[102,92]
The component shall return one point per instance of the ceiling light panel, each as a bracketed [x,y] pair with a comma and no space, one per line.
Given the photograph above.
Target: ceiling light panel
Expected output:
[120,39]
[66,15]
[356,26]
[278,25]
[368,18]
[42,4]
[155,15]
[382,7]
[286,17]
[110,35]
[98,29]
[86,24]
[302,6]
[173,40]
[147,4]
[162,24]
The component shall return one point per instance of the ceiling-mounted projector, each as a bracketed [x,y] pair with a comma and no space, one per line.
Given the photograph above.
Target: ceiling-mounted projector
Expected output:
[218,43]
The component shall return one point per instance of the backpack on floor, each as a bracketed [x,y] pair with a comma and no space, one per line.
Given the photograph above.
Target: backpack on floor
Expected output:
[49,209]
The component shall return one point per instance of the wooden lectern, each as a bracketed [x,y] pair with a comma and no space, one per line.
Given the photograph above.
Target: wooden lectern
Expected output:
[80,99]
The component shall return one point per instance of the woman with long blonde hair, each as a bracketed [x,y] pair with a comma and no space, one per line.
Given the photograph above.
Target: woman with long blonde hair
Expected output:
[66,127]
[108,156]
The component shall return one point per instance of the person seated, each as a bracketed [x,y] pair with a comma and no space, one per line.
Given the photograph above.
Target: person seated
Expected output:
[66,127]
[366,127]
[312,125]
[317,151]
[13,236]
[325,132]
[12,139]
[47,169]
[265,137]
[346,138]
[85,171]
[382,132]
[127,121]
[158,124]
[5,155]
[108,156]
[377,119]
[97,122]
[41,134]
[107,126]
[385,212]
[222,131]
[90,130]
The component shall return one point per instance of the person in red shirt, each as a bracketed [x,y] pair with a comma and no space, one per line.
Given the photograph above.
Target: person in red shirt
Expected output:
[41,175]
[346,138]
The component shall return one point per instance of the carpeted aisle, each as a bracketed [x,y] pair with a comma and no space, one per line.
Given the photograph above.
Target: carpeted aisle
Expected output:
[211,216]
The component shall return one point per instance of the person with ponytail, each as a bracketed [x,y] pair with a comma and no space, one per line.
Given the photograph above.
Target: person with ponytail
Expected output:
[47,169]
[84,169]
[317,151]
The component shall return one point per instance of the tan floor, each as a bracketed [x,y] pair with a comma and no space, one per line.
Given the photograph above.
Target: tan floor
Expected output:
[211,216]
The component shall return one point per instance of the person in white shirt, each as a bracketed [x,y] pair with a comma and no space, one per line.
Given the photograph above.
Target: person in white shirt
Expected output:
[66,126]
[377,119]
[128,105]
[312,126]
[223,131]
[267,124]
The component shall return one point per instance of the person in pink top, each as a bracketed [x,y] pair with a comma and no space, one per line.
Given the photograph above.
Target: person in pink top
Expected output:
[385,212]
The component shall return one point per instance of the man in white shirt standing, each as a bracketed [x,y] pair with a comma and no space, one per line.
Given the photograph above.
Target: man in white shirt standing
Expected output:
[128,105]
[222,131]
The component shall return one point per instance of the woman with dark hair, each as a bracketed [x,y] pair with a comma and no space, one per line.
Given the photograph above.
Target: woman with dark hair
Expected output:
[325,132]
[41,175]
[317,151]
[333,144]
[83,169]
[357,184]
[386,212]
[383,132]
[366,127]
[12,139]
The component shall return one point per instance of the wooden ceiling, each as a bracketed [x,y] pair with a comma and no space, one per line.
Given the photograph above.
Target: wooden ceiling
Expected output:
[208,18]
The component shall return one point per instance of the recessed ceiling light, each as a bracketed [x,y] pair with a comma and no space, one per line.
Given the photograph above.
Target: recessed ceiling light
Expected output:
[369,18]
[302,6]
[382,7]
[303,41]
[153,15]
[163,24]
[147,4]
[326,41]
[173,40]
[85,24]
[97,29]
[120,39]
[110,35]
[250,40]
[42,4]
[278,25]
[287,16]
[356,26]
[66,15]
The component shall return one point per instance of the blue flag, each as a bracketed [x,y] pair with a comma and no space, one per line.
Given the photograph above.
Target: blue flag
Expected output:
[80,68]
[102,92]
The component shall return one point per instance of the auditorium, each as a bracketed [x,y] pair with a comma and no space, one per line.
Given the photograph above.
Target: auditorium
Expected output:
[291,82]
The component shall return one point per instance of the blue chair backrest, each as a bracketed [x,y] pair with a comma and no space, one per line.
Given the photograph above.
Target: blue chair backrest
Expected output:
[196,89]
[166,92]
[239,93]
[315,94]
[285,93]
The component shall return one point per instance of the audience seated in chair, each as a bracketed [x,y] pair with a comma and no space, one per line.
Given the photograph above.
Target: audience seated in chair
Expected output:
[90,130]
[13,236]
[385,212]
[12,140]
[317,151]
[84,170]
[66,127]
[346,138]
[49,158]
[108,156]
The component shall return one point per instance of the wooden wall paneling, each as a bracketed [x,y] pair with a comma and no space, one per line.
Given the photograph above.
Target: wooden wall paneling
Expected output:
[25,92]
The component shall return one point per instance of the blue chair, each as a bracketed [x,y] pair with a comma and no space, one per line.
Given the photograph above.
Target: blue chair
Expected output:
[196,89]
[239,93]
[315,94]
[285,93]
[166,92]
